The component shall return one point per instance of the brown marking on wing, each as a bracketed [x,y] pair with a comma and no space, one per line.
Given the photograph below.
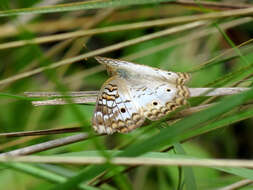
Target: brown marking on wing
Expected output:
[117,115]
[157,112]
[108,97]
[183,78]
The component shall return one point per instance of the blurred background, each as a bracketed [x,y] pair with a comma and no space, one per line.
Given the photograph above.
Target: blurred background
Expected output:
[214,53]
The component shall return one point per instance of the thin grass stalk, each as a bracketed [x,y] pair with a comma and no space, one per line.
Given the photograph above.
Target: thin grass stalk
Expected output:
[130,161]
[145,24]
[91,96]
[237,185]
[104,50]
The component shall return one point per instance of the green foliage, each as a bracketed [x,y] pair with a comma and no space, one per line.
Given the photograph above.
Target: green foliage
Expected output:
[80,6]
[220,131]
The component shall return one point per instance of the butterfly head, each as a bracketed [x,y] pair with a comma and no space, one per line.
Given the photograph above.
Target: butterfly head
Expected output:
[167,75]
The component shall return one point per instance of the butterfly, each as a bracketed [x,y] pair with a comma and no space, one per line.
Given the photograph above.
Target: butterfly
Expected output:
[135,93]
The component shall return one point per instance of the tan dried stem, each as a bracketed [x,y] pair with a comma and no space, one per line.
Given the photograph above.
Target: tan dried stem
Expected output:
[159,22]
[237,185]
[46,145]
[130,161]
[104,50]
[84,97]
[211,4]
[178,115]
[190,36]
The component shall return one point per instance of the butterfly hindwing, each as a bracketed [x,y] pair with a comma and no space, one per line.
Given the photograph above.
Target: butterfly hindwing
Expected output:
[115,110]
[158,98]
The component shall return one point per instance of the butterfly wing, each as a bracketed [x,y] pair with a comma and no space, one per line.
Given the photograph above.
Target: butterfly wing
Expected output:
[116,110]
[158,98]
[136,92]
[127,69]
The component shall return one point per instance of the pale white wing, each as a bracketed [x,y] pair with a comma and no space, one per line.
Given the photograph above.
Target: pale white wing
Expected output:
[115,109]
[127,69]
[136,92]
[156,98]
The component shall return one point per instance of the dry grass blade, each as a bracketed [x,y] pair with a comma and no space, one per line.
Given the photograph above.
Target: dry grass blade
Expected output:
[178,115]
[71,23]
[91,96]
[215,91]
[210,40]
[104,50]
[58,94]
[16,142]
[61,101]
[210,4]
[82,33]
[159,22]
[130,161]
[41,132]
[46,145]
[192,36]
[237,185]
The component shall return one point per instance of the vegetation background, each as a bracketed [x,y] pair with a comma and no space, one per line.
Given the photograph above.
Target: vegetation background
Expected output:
[49,46]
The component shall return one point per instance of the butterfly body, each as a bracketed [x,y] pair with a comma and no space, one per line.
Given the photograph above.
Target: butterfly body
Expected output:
[134,93]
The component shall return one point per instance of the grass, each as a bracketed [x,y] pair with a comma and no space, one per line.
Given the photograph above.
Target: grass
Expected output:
[46,50]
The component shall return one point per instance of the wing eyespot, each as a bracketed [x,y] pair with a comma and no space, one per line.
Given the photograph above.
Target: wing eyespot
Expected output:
[123,110]
[168,90]
[155,103]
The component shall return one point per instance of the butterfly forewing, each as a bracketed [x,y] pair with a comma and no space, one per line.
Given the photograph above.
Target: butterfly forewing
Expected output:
[116,67]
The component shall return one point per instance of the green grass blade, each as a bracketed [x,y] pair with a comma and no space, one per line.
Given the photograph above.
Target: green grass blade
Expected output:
[189,177]
[34,171]
[78,6]
[236,117]
[242,172]
[166,137]
[43,174]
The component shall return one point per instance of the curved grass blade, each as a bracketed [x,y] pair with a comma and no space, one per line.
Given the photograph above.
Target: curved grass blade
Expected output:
[166,137]
[43,174]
